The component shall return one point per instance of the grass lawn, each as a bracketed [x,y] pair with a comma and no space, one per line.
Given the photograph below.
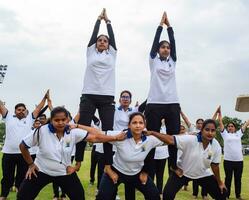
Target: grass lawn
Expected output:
[47,192]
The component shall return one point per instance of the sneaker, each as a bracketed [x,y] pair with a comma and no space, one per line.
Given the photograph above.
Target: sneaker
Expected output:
[91,183]
[96,192]
[55,198]
[117,197]
[63,198]
[205,198]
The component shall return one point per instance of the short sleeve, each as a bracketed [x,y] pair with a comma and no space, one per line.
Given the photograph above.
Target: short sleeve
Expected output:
[113,133]
[31,139]
[112,51]
[90,50]
[240,133]
[79,134]
[155,142]
[7,117]
[182,141]
[217,153]
[223,133]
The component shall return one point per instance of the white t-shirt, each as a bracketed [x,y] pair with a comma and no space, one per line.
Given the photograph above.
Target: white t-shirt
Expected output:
[33,150]
[193,130]
[99,147]
[162,82]
[100,72]
[232,145]
[162,152]
[195,161]
[129,157]
[16,130]
[54,155]
[121,117]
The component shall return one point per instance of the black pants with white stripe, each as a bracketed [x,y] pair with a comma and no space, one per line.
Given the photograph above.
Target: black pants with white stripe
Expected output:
[88,105]
[30,189]
[236,168]
[175,183]
[154,114]
[107,188]
[10,164]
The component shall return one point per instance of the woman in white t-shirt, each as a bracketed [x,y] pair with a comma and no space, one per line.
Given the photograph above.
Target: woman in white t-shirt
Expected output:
[53,160]
[128,161]
[233,157]
[162,101]
[99,80]
[199,154]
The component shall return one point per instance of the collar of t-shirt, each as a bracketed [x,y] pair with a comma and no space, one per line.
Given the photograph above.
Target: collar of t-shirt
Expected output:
[199,138]
[164,59]
[129,135]
[120,108]
[104,51]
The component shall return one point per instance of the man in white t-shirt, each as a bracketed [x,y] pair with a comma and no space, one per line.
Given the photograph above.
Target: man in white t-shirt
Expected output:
[18,125]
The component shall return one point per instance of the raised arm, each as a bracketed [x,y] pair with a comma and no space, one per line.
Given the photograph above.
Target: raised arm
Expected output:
[40,105]
[186,120]
[3,109]
[216,113]
[245,125]
[94,36]
[171,39]
[220,120]
[155,45]
[109,30]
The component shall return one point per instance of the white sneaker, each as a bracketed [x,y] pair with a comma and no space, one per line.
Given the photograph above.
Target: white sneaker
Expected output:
[117,197]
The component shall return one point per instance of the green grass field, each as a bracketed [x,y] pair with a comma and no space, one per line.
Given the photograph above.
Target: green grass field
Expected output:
[47,193]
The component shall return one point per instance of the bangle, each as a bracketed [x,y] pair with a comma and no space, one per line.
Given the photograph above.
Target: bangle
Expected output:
[108,21]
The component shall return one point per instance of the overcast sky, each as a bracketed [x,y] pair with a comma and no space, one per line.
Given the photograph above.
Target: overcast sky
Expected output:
[44,45]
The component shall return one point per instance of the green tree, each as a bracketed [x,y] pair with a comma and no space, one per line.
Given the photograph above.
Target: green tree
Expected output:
[2,131]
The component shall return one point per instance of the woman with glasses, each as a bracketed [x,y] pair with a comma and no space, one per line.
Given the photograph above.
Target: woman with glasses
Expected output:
[200,154]
[99,80]
[121,119]
[233,157]
[162,101]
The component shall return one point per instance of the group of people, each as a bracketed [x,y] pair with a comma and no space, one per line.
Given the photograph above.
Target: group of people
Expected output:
[132,143]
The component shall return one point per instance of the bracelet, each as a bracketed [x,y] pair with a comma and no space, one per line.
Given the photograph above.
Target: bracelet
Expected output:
[108,21]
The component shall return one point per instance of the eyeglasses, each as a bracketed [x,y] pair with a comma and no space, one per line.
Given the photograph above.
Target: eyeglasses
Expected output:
[210,129]
[125,97]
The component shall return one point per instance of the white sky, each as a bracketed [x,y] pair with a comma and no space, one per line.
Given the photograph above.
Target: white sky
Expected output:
[44,45]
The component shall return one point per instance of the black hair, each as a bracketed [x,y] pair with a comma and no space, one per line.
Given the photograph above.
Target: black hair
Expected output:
[104,36]
[126,91]
[200,119]
[232,124]
[131,116]
[162,43]
[43,115]
[57,110]
[20,105]
[208,121]
[36,120]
